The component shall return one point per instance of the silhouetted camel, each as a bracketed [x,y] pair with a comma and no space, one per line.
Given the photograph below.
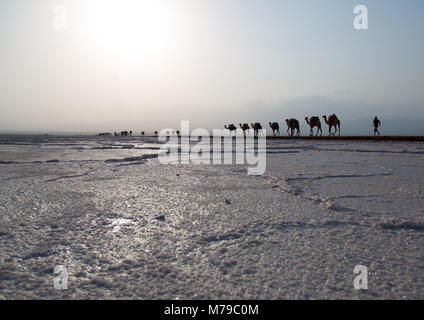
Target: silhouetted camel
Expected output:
[314,122]
[256,127]
[142,133]
[292,125]
[231,127]
[332,121]
[275,128]
[156,133]
[244,127]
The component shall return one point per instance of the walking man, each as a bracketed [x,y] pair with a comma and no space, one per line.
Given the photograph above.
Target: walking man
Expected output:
[377,124]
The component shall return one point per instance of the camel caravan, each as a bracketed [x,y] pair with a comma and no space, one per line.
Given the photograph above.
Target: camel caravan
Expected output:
[293,126]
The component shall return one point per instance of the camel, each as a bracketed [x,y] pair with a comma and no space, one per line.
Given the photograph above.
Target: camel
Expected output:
[244,127]
[292,125]
[256,127]
[314,122]
[332,121]
[231,127]
[142,133]
[275,128]
[156,133]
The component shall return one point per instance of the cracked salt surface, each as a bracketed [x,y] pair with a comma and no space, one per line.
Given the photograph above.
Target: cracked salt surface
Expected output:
[133,228]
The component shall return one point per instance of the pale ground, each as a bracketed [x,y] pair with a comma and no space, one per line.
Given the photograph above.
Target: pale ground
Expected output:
[296,232]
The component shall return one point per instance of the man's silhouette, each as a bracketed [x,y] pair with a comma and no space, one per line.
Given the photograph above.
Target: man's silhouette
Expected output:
[376,123]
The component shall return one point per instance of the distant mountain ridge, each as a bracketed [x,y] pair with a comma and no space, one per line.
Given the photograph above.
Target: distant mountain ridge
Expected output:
[357,127]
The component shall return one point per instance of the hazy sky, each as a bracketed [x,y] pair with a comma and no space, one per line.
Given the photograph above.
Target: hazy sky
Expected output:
[139,64]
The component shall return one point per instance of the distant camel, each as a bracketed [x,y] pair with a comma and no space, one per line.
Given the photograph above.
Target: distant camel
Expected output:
[142,133]
[314,122]
[244,127]
[275,128]
[178,133]
[156,133]
[256,127]
[332,121]
[292,125]
[231,127]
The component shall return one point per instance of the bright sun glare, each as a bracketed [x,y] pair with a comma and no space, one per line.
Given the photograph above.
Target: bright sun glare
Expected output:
[132,32]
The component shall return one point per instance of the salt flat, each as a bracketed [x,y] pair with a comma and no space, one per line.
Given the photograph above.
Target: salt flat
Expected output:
[126,226]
